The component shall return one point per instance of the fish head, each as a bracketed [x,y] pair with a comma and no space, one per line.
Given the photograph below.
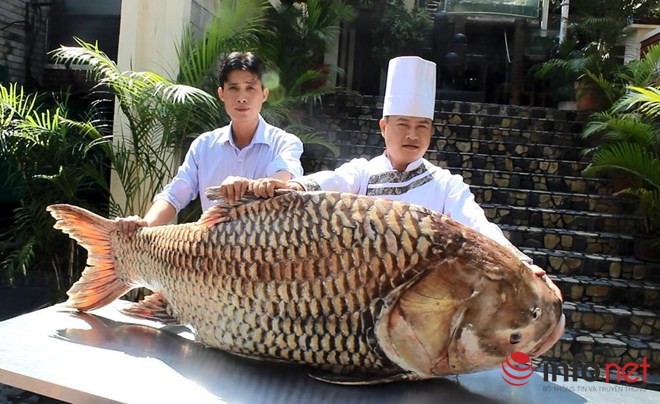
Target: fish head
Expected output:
[519,313]
[456,320]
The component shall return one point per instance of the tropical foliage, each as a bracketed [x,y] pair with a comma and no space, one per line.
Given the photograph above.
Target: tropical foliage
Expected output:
[56,157]
[157,114]
[46,149]
[282,36]
[400,31]
[630,140]
[592,54]
[300,35]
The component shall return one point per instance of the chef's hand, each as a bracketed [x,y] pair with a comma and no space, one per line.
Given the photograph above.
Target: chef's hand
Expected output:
[540,272]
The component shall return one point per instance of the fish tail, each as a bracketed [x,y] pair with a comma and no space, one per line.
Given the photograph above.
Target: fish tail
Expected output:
[99,284]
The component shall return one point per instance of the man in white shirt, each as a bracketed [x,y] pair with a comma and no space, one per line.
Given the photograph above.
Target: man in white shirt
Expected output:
[247,148]
[402,173]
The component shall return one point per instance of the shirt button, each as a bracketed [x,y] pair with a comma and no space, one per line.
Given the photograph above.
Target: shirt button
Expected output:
[240,160]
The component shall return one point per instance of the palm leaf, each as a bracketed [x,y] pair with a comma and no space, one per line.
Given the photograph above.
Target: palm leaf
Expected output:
[628,158]
[236,27]
[646,99]
[626,127]
[14,104]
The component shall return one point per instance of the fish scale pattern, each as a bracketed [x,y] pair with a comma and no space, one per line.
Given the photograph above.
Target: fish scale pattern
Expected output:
[296,278]
[524,166]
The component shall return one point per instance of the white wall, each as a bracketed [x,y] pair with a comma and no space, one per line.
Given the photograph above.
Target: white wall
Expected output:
[149,31]
[635,34]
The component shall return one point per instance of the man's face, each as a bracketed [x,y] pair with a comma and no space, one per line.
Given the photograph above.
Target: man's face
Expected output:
[406,138]
[242,95]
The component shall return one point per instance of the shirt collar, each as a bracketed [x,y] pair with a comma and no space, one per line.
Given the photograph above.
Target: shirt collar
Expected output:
[259,136]
[412,166]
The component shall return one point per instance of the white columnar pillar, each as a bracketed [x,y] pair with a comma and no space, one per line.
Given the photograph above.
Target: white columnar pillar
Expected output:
[563,24]
[149,32]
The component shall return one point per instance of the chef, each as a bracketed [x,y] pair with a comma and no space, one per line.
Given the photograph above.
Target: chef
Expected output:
[401,172]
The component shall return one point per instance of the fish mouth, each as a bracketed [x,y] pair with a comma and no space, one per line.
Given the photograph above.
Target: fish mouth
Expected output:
[554,336]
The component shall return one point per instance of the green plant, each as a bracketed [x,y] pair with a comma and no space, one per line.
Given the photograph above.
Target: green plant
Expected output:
[591,56]
[43,144]
[588,56]
[295,46]
[291,38]
[156,116]
[400,31]
[631,147]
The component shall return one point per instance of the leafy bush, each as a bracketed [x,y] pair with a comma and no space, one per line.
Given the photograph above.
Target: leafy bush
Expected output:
[400,31]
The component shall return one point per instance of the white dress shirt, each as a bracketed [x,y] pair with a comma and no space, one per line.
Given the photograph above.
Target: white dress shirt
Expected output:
[421,183]
[213,156]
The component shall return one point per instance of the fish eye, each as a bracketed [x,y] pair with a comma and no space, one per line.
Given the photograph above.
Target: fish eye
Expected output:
[515,338]
[536,312]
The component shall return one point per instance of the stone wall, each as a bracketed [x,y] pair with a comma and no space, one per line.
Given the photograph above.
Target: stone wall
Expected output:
[22,41]
[201,14]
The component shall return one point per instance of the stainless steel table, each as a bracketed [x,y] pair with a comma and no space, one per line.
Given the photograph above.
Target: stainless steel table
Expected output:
[108,357]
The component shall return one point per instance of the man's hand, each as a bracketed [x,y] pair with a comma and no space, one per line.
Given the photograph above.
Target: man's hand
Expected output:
[128,225]
[233,188]
[265,187]
[540,272]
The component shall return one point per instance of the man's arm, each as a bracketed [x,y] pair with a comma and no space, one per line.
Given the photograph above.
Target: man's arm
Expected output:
[160,213]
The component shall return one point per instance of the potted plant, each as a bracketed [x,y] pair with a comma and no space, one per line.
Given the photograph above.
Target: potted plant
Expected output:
[592,52]
[586,57]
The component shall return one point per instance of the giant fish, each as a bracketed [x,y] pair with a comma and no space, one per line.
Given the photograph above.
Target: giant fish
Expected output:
[364,290]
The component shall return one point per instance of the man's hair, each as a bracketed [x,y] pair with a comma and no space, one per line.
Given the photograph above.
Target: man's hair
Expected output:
[247,61]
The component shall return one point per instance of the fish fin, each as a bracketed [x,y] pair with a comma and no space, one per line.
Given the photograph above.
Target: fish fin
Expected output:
[219,213]
[213,193]
[215,215]
[99,284]
[152,307]
[362,380]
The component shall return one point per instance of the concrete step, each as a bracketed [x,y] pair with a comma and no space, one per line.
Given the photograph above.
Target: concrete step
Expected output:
[627,320]
[366,131]
[572,240]
[533,180]
[506,172]
[563,219]
[552,200]
[352,141]
[587,289]
[578,263]
[469,113]
[507,163]
[508,147]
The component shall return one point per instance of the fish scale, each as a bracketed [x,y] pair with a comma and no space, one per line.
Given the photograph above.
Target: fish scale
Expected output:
[301,277]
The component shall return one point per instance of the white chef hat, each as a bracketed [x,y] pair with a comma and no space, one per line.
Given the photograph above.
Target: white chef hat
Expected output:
[410,89]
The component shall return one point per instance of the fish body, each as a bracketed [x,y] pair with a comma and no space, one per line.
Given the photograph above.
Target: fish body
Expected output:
[365,289]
